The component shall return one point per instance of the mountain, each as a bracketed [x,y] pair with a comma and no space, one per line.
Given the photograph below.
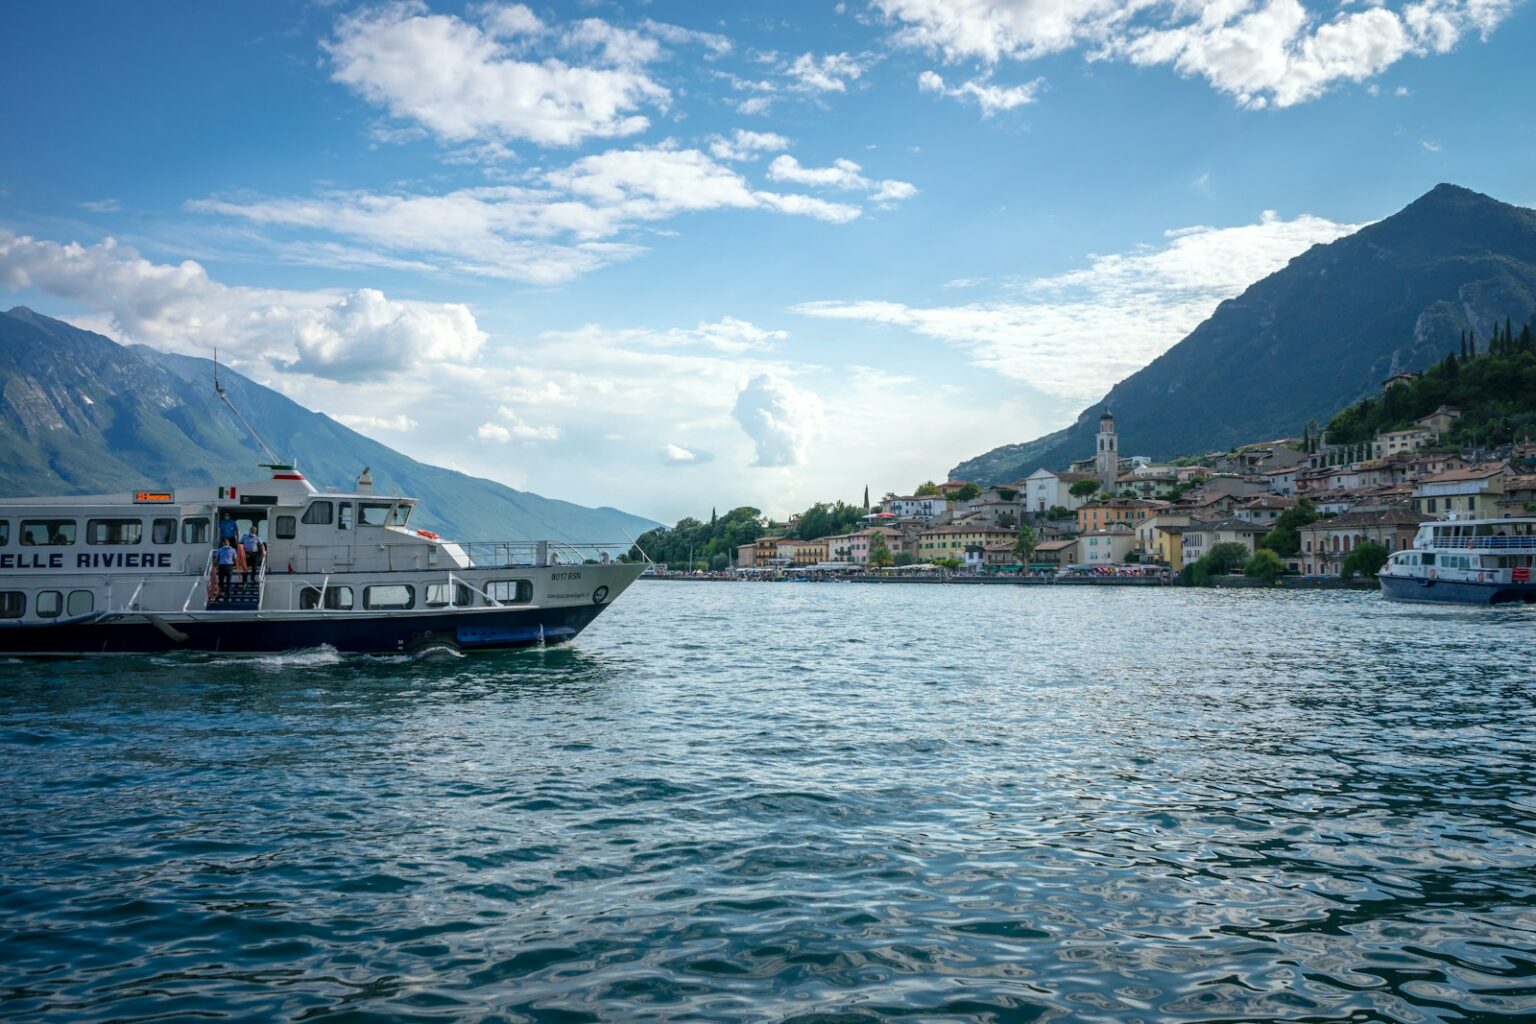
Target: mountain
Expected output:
[1313,337]
[82,414]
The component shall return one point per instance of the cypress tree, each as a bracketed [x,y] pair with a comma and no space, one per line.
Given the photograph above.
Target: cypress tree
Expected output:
[1463,343]
[1472,344]
[1525,337]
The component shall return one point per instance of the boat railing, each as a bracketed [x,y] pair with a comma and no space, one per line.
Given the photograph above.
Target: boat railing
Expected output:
[506,554]
[1486,543]
[202,579]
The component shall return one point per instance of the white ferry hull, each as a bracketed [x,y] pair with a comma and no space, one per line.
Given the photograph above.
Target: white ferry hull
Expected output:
[359,632]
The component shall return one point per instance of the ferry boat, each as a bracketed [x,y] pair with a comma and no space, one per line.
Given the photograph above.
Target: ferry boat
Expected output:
[136,573]
[1466,561]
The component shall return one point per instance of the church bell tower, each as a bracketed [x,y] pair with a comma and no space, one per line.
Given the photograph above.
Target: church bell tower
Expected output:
[1107,457]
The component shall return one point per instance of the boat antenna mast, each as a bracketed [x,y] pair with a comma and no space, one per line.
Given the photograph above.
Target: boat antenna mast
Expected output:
[219,388]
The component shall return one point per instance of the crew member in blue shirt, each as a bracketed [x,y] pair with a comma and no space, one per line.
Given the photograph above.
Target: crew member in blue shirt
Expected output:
[255,553]
[228,529]
[226,555]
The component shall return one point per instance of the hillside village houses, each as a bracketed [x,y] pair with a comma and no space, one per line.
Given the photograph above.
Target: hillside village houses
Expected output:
[1142,513]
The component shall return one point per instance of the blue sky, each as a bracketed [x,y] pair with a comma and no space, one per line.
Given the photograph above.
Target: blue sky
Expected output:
[658,257]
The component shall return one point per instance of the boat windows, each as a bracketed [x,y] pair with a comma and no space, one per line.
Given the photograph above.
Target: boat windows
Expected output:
[163,531]
[287,528]
[47,533]
[114,531]
[373,513]
[81,602]
[437,596]
[344,515]
[337,599]
[5,532]
[318,514]
[13,604]
[389,597]
[1429,558]
[400,514]
[510,591]
[194,531]
[49,604]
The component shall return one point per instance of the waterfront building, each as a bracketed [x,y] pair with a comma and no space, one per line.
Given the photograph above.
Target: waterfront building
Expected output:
[950,541]
[1056,552]
[1200,537]
[853,548]
[1472,492]
[1108,546]
[1326,543]
[1096,515]
[926,506]
[1263,509]
[1160,538]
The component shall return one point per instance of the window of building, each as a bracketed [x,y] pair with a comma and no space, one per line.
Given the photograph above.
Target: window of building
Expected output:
[47,533]
[49,604]
[510,591]
[81,602]
[437,595]
[114,531]
[287,527]
[163,531]
[194,531]
[389,597]
[13,604]
[319,513]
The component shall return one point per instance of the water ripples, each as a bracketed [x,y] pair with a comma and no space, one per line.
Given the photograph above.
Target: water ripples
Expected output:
[805,803]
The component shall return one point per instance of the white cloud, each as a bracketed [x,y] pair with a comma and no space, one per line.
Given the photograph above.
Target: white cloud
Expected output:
[746,145]
[401,423]
[677,455]
[1430,146]
[728,335]
[991,98]
[517,427]
[782,420]
[1263,52]
[1075,334]
[357,335]
[843,174]
[555,227]
[493,432]
[463,82]
[101,205]
[828,73]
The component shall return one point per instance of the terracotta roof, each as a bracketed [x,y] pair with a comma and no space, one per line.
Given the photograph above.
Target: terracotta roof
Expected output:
[1055,545]
[1396,516]
[1469,473]
[1225,526]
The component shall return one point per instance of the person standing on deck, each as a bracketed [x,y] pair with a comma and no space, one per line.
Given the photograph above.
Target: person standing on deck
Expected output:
[228,529]
[255,553]
[226,557]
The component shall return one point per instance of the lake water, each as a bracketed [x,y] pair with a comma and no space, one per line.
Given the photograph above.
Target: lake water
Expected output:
[795,802]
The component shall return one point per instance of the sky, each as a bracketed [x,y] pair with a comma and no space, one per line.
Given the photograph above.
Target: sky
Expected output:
[673,256]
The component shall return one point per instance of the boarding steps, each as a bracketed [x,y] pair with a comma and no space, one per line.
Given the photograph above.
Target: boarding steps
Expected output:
[237,597]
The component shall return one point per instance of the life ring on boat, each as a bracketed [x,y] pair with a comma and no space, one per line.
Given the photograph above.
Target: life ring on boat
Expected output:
[1431,574]
[427,534]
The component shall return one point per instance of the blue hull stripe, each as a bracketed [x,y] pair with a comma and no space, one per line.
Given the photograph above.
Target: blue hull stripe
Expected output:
[1404,588]
[352,634]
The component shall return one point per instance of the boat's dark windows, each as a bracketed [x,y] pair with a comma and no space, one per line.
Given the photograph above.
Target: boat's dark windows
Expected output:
[81,602]
[49,604]
[114,531]
[194,531]
[389,597]
[1429,558]
[373,513]
[437,596]
[287,528]
[163,531]
[47,533]
[5,532]
[401,514]
[339,599]
[318,514]
[510,591]
[13,604]
[344,515]
[309,599]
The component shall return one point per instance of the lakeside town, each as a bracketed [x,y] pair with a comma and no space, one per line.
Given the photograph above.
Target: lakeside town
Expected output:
[1300,507]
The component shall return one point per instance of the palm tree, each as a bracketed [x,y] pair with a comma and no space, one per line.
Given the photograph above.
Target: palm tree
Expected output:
[1024,546]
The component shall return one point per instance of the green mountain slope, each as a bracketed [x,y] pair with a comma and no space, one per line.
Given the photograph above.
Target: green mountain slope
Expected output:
[80,413]
[1313,337]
